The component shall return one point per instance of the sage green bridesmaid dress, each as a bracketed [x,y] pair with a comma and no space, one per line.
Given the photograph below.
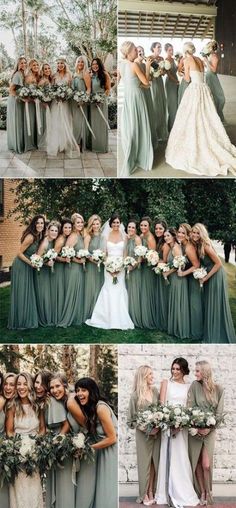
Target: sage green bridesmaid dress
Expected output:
[197,398]
[100,142]
[32,138]
[45,296]
[172,95]
[148,294]
[147,449]
[134,287]
[151,112]
[218,323]
[159,107]
[15,118]
[196,303]
[94,279]
[217,92]
[23,308]
[106,491]
[59,291]
[80,129]
[182,87]
[73,312]
[4,491]
[136,136]
[178,304]
[60,491]
[162,293]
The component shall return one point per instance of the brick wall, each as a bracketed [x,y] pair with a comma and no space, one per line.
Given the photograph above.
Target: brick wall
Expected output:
[10,230]
[160,357]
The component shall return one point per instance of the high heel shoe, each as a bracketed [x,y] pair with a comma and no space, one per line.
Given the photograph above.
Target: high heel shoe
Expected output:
[202,500]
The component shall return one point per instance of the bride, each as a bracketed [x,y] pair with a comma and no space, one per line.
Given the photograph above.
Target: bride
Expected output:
[198,143]
[175,479]
[111,309]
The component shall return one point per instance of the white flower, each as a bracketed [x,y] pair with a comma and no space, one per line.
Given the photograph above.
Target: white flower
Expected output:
[193,432]
[27,446]
[166,410]
[36,261]
[140,250]
[210,421]
[79,440]
[152,257]
[177,411]
[179,261]
[196,412]
[67,252]
[82,253]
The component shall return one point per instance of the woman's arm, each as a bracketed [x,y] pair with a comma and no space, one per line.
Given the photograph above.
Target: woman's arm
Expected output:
[104,415]
[192,256]
[10,431]
[2,403]
[29,239]
[216,260]
[187,70]
[213,63]
[43,247]
[107,83]
[132,412]
[42,426]
[87,241]
[151,242]
[74,408]
[65,427]
[163,391]
[87,80]
[165,252]
[136,69]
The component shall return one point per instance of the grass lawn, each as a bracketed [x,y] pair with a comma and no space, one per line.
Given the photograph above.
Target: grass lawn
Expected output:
[86,334]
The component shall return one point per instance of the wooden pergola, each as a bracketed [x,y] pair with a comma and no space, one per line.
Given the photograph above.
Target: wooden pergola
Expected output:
[166,18]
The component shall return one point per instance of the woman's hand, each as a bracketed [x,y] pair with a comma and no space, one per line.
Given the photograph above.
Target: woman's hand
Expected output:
[154,432]
[203,432]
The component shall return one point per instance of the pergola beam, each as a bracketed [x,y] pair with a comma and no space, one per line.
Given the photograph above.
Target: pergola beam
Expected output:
[163,7]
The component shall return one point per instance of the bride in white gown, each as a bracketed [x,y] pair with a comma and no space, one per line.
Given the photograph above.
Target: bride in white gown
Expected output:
[111,309]
[175,480]
[198,142]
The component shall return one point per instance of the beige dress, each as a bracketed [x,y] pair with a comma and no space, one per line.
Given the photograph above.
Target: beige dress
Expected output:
[197,398]
[148,449]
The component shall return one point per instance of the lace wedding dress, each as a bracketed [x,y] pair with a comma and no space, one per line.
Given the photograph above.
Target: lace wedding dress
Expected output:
[175,480]
[111,309]
[26,492]
[198,143]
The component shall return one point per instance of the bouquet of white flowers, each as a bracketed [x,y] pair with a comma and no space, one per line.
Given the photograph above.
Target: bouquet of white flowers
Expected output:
[203,419]
[114,265]
[98,98]
[140,251]
[98,256]
[179,262]
[199,274]
[50,255]
[30,92]
[155,417]
[36,261]
[62,93]
[81,97]
[83,254]
[152,257]
[67,252]
[129,261]
[165,65]
[179,417]
[162,269]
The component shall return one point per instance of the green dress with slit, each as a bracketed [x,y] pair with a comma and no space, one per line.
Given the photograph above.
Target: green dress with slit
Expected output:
[4,491]
[134,287]
[148,294]
[45,296]
[15,117]
[172,95]
[23,309]
[94,279]
[178,304]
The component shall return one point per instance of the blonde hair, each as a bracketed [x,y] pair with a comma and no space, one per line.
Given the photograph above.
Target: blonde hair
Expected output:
[126,47]
[63,380]
[209,387]
[84,59]
[42,70]
[30,65]
[75,216]
[15,69]
[31,395]
[54,223]
[212,45]
[189,47]
[90,223]
[204,239]
[66,69]
[187,228]
[140,383]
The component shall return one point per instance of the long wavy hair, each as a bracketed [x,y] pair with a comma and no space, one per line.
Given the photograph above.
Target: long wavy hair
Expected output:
[85,61]
[31,229]
[75,216]
[42,71]
[19,409]
[89,410]
[209,386]
[16,66]
[46,376]
[140,383]
[63,380]
[9,402]
[90,223]
[30,69]
[204,239]
[160,241]
[1,383]
[101,71]
[66,68]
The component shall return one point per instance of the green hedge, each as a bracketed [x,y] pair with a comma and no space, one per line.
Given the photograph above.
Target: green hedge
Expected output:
[3,114]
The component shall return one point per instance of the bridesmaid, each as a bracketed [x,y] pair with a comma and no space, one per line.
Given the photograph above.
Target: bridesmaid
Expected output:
[73,312]
[148,293]
[161,312]
[41,388]
[148,97]
[101,83]
[101,424]
[134,279]
[212,80]
[44,280]
[178,300]
[32,78]
[148,450]
[60,491]
[194,290]
[204,394]
[94,278]
[45,83]
[4,493]
[82,83]
[23,310]
[159,96]
[218,323]
[15,109]
[171,86]
[59,271]
[24,418]
[136,136]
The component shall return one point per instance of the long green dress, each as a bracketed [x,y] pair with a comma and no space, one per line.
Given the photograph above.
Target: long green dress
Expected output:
[197,398]
[30,139]
[59,290]
[106,492]
[218,323]
[159,107]
[23,309]
[73,312]
[162,293]
[44,111]
[80,129]
[4,493]
[217,92]
[94,279]
[182,87]
[60,491]
[148,294]
[15,118]
[98,126]
[45,297]
[172,95]
[196,304]
[134,287]
[147,449]
[151,112]
[136,136]
[178,304]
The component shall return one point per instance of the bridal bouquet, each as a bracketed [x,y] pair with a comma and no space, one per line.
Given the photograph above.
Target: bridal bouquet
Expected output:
[83,254]
[98,98]
[179,417]
[28,454]
[81,97]
[50,255]
[155,417]
[47,94]
[140,251]
[36,261]
[62,93]
[114,265]
[179,262]
[80,447]
[199,274]
[129,261]
[161,269]
[98,256]
[9,460]
[203,419]
[152,257]
[67,252]
[30,92]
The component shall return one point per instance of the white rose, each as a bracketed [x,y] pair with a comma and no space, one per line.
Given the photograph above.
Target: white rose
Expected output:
[27,446]
[193,432]
[210,421]
[177,411]
[79,440]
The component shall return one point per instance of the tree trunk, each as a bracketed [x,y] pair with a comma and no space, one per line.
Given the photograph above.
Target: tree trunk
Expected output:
[93,361]
[24,28]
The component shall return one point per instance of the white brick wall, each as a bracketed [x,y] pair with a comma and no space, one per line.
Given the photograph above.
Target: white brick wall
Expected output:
[160,357]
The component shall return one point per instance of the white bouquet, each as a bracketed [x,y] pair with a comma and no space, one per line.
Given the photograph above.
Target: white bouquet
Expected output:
[161,269]
[98,98]
[179,262]
[36,261]
[202,419]
[62,93]
[129,261]
[81,97]
[199,274]
[140,251]
[98,255]
[78,440]
[155,417]
[114,265]
[50,255]
[152,257]
[27,447]
[165,65]
[67,252]
[83,254]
